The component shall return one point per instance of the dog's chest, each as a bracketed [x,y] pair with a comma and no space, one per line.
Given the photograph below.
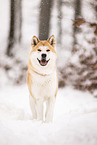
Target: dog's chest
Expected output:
[44,86]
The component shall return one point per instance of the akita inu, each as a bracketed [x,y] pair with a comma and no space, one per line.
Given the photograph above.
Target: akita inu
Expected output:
[42,77]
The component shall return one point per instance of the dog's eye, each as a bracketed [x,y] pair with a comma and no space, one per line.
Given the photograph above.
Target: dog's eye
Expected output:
[47,50]
[39,50]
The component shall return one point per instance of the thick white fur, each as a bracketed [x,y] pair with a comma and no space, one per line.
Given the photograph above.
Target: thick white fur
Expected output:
[43,89]
[44,85]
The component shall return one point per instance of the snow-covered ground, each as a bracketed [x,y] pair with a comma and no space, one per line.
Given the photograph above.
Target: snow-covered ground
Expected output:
[75,116]
[75,119]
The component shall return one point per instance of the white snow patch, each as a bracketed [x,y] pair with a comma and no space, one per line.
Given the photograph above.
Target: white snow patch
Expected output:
[74,122]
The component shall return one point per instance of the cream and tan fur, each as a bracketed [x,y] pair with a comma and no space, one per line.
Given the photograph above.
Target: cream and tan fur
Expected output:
[42,77]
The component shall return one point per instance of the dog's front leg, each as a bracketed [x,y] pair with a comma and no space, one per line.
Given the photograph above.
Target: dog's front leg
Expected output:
[39,109]
[32,105]
[50,109]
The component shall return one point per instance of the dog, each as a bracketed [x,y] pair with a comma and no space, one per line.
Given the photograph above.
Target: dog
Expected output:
[42,78]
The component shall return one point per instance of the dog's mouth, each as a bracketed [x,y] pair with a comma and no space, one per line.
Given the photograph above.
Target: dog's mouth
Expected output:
[43,62]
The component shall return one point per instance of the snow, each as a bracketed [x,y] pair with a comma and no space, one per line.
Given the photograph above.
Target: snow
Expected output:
[75,116]
[75,119]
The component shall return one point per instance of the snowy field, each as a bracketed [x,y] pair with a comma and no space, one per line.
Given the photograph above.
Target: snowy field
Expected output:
[75,116]
[75,119]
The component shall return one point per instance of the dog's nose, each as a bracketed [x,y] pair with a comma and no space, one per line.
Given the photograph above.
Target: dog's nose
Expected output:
[43,55]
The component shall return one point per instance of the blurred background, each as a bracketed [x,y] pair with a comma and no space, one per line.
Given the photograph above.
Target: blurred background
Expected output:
[74,24]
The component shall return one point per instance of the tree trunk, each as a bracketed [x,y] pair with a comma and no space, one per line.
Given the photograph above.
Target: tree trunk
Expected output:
[96,8]
[77,14]
[15,24]
[59,39]
[44,22]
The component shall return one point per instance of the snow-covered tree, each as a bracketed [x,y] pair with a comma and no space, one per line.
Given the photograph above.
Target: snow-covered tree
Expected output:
[44,19]
[77,5]
[15,24]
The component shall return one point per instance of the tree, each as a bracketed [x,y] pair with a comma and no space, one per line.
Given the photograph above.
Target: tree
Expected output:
[77,15]
[15,24]
[59,41]
[96,8]
[45,14]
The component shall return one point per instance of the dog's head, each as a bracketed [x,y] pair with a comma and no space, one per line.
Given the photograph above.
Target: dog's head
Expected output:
[43,54]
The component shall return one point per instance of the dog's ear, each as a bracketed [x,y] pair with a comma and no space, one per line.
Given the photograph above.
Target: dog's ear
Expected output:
[52,41]
[34,41]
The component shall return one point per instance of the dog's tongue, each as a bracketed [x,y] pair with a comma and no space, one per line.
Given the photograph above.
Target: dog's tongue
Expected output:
[43,62]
